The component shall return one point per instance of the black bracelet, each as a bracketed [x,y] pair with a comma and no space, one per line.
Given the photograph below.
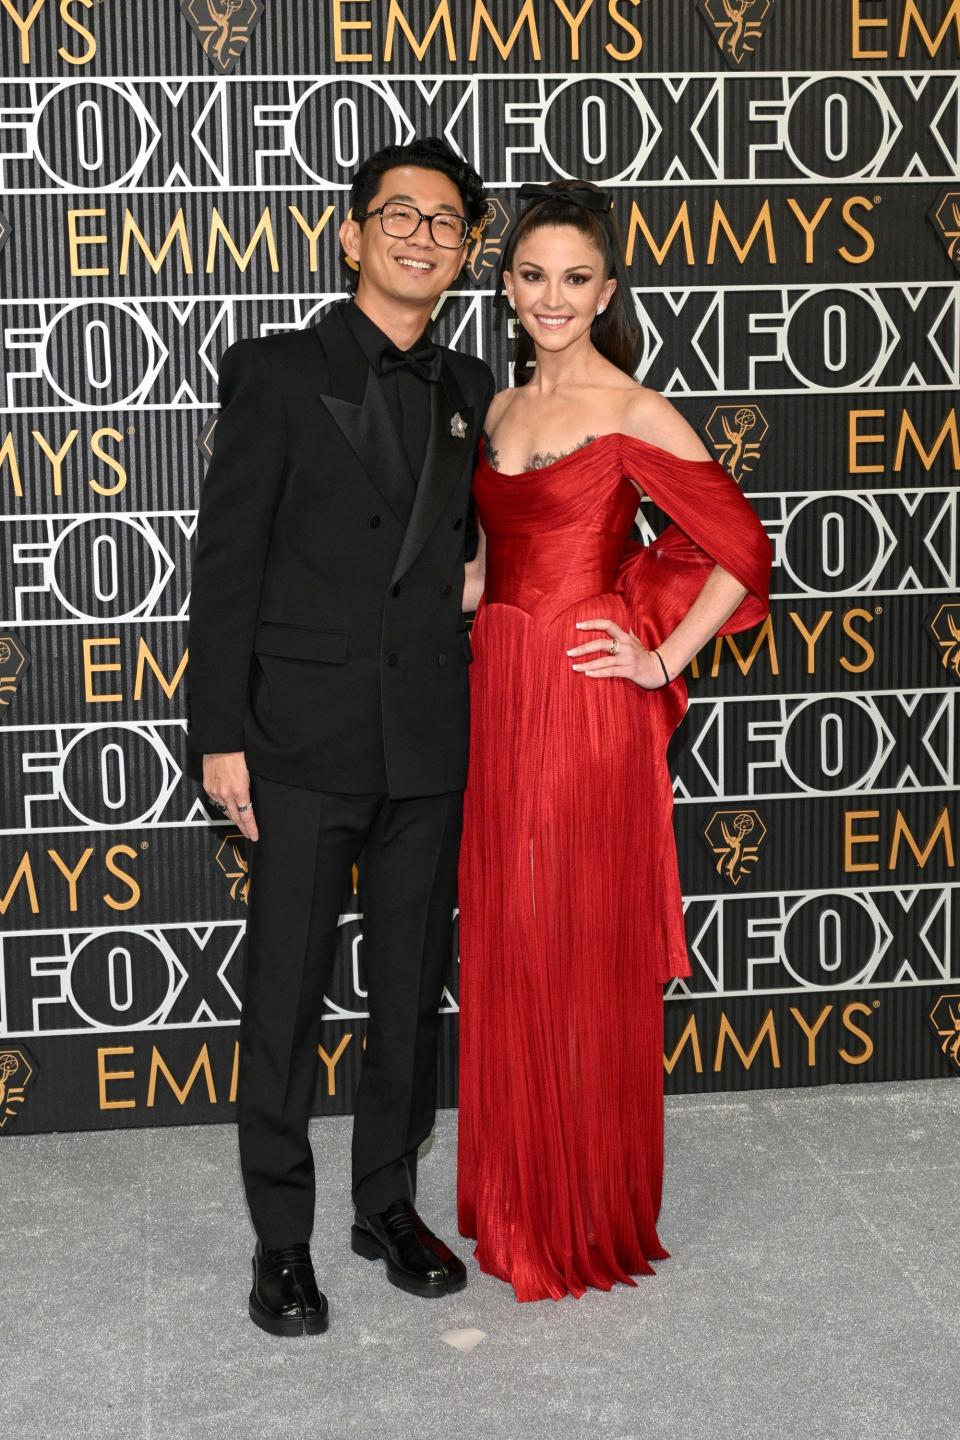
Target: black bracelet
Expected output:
[666,675]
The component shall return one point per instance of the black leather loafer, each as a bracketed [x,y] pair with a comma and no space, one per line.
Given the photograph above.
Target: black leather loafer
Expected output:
[416,1260]
[285,1299]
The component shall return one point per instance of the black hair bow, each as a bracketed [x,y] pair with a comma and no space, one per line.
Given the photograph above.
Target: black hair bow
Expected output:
[597,201]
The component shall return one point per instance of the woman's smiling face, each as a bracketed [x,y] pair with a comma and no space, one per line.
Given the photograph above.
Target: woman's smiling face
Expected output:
[557,283]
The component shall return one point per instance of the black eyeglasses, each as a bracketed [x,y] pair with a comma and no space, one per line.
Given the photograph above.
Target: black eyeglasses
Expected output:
[402,221]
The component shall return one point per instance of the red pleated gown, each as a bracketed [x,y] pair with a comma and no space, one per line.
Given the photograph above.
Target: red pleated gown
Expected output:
[570,908]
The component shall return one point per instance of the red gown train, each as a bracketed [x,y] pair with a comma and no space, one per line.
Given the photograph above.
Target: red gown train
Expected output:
[570,908]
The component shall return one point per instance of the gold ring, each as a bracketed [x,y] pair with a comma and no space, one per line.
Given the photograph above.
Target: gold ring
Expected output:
[615,647]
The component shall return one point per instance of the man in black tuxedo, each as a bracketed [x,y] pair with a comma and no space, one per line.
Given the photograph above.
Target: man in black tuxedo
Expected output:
[328,685]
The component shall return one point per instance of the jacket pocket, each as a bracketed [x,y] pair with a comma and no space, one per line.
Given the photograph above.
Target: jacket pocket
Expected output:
[294,642]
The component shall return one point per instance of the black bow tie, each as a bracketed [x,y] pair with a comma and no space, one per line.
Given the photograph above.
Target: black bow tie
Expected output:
[423,362]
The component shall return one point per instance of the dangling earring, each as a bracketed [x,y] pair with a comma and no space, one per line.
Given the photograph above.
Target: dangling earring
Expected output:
[600,309]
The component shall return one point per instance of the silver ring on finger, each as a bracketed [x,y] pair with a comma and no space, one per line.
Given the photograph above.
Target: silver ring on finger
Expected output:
[615,647]
[241,808]
[219,805]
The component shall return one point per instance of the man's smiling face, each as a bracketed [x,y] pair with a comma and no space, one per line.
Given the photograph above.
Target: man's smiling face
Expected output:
[416,270]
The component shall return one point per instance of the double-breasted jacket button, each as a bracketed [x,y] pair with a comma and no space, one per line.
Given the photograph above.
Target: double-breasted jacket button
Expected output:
[395,591]
[442,658]
[374,521]
[458,524]
[392,659]
[446,591]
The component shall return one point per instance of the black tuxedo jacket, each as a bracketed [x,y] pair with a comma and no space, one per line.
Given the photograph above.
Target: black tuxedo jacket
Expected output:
[326,634]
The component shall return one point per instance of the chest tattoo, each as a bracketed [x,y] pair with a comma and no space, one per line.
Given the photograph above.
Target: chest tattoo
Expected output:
[540,458]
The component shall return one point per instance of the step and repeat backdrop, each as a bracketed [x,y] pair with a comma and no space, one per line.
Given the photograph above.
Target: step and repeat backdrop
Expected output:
[172,177]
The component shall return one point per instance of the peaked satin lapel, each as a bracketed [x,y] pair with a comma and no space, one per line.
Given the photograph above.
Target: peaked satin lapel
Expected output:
[443,468]
[368,428]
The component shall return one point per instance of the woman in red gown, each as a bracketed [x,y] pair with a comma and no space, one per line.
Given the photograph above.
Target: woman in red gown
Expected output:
[570,908]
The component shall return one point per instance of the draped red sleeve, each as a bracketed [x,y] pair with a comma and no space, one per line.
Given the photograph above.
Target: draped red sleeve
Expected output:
[711,524]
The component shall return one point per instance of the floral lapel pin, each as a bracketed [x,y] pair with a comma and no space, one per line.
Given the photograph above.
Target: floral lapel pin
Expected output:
[458,426]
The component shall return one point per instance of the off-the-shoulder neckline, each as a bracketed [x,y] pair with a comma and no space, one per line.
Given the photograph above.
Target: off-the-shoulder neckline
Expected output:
[580,449]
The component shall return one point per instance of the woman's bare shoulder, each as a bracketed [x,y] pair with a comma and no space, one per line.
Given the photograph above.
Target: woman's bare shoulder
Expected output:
[498,407]
[650,416]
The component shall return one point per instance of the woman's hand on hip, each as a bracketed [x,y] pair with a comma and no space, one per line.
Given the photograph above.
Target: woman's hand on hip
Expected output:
[619,656]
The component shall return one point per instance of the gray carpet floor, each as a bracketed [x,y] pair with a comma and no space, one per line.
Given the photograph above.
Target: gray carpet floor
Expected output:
[813,1291]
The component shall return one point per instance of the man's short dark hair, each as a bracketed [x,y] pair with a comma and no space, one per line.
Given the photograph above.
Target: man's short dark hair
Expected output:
[429,153]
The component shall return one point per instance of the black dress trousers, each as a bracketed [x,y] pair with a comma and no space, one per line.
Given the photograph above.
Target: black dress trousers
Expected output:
[309,840]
